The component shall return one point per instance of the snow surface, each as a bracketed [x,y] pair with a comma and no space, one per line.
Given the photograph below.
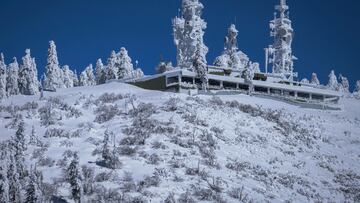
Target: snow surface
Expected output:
[279,153]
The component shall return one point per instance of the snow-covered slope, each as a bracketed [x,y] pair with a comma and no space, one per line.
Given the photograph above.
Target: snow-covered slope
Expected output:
[182,148]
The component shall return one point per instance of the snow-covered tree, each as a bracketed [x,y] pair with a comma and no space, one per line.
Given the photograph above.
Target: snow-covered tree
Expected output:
[19,146]
[232,57]
[164,67]
[137,74]
[357,87]
[248,73]
[124,64]
[200,68]
[4,184]
[333,83]
[356,92]
[344,85]
[109,157]
[68,76]
[53,72]
[74,178]
[305,81]
[12,80]
[33,140]
[111,72]
[314,80]
[28,75]
[100,73]
[87,77]
[13,180]
[32,195]
[76,79]
[3,73]
[188,34]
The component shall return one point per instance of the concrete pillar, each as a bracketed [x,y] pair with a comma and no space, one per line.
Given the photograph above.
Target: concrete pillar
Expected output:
[237,86]
[268,90]
[310,96]
[221,84]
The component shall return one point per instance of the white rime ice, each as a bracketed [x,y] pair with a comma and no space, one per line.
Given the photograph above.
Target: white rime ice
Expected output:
[188,34]
[333,83]
[87,77]
[68,76]
[53,72]
[100,72]
[12,84]
[315,80]
[2,77]
[279,54]
[124,65]
[232,57]
[28,75]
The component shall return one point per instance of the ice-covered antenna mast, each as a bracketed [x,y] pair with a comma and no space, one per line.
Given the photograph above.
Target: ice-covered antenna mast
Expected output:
[279,54]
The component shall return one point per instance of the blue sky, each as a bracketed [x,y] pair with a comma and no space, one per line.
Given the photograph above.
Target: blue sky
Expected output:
[326,32]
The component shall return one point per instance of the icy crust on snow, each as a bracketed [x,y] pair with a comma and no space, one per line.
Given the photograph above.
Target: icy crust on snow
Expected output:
[201,148]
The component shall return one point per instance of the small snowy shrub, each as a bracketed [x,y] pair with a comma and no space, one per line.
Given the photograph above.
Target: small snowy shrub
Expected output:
[150,181]
[186,198]
[154,159]
[56,132]
[172,104]
[126,150]
[88,175]
[239,194]
[158,145]
[108,98]
[350,184]
[105,113]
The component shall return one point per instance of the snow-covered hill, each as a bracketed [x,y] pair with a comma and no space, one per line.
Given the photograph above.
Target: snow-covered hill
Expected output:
[165,147]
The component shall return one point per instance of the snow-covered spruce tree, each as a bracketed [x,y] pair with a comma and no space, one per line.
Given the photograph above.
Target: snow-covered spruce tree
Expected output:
[33,140]
[87,77]
[100,73]
[124,64]
[356,92]
[111,72]
[164,67]
[110,159]
[68,76]
[3,73]
[344,85]
[53,72]
[13,180]
[4,189]
[305,81]
[333,82]
[200,69]
[188,34]
[19,146]
[75,78]
[28,75]
[12,80]
[137,74]
[232,57]
[314,80]
[32,195]
[105,152]
[74,179]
